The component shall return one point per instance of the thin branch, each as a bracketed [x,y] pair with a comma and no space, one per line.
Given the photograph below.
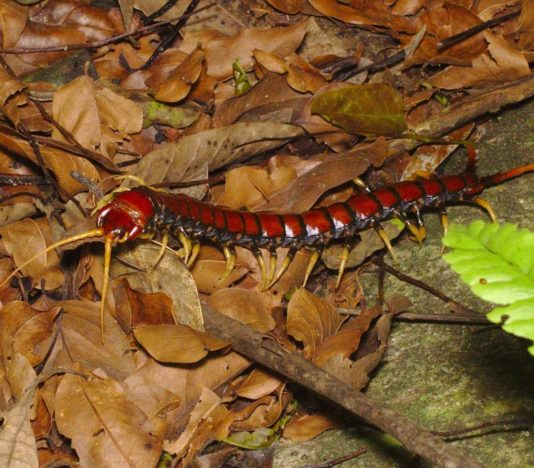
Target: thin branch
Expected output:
[422,285]
[294,367]
[464,35]
[94,45]
[339,460]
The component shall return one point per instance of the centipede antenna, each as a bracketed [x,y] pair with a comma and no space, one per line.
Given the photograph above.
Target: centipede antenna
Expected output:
[194,254]
[186,243]
[380,231]
[84,235]
[311,264]
[230,262]
[108,244]
[342,264]
[506,175]
[285,264]
[487,206]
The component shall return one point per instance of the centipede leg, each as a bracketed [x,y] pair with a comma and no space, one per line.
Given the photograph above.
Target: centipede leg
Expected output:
[486,205]
[163,246]
[313,260]
[263,267]
[186,243]
[342,263]
[194,254]
[380,231]
[273,260]
[229,254]
[444,217]
[285,264]
[360,183]
[417,231]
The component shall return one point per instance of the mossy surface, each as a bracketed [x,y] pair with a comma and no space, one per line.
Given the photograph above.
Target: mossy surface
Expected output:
[448,377]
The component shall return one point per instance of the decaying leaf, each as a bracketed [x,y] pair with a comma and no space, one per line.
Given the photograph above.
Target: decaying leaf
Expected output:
[370,109]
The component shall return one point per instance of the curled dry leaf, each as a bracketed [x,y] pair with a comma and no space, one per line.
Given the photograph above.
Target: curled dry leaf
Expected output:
[192,156]
[504,63]
[243,305]
[258,384]
[370,15]
[98,408]
[222,53]
[303,428]
[291,7]
[37,237]
[333,171]
[310,320]
[169,276]
[96,110]
[177,344]
[208,273]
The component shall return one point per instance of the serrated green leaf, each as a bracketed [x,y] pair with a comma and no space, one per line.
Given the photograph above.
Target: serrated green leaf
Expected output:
[366,109]
[497,262]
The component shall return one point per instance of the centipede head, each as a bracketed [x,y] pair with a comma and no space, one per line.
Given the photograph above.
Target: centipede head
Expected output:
[126,216]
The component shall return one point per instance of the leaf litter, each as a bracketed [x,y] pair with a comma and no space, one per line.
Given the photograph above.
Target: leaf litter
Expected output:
[157,385]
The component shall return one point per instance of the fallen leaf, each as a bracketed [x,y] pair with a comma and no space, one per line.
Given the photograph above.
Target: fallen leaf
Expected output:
[245,306]
[308,426]
[105,427]
[176,343]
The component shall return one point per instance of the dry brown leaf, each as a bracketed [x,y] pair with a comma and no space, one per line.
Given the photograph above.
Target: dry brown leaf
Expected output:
[333,171]
[208,273]
[258,384]
[505,64]
[304,428]
[207,402]
[178,84]
[81,342]
[222,53]
[243,305]
[13,18]
[370,15]
[37,237]
[105,427]
[271,89]
[178,344]
[291,7]
[170,276]
[310,320]
[192,156]
[347,339]
[248,186]
[9,85]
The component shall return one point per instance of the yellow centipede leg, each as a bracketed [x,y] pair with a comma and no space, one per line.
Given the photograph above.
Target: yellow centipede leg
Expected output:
[263,268]
[486,205]
[342,264]
[380,231]
[186,243]
[230,262]
[273,260]
[311,264]
[444,220]
[194,254]
[419,232]
[285,264]
[108,243]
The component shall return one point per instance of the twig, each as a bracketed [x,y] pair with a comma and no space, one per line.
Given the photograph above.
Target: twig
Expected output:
[422,285]
[464,35]
[493,426]
[94,45]
[15,180]
[166,42]
[294,367]
[338,460]
[439,318]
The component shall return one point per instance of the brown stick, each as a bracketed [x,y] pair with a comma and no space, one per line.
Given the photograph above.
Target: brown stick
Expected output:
[294,367]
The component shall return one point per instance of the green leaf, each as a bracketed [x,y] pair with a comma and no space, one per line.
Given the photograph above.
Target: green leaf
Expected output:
[366,109]
[497,262]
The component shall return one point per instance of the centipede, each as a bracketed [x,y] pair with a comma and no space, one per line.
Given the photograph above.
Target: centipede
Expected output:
[145,212]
